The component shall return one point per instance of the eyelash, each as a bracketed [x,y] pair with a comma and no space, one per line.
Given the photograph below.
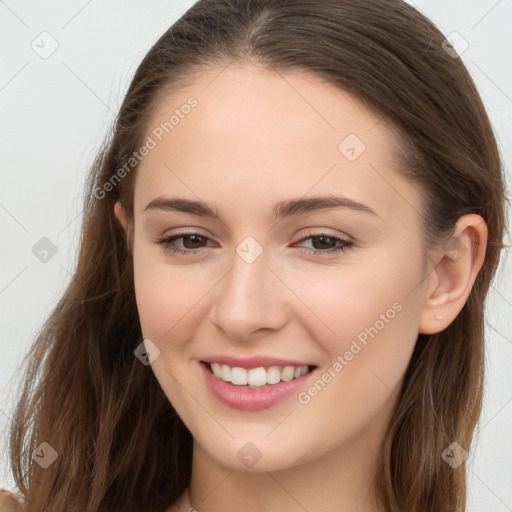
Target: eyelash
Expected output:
[167,241]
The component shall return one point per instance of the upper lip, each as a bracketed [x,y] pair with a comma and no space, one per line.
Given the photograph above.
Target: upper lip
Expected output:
[254,362]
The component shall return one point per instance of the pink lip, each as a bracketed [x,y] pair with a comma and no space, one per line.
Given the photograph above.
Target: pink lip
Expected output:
[254,362]
[247,399]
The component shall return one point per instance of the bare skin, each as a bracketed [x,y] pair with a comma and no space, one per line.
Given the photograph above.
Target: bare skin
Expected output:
[254,139]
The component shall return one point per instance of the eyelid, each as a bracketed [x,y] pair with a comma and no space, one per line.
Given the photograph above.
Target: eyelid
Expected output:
[306,233]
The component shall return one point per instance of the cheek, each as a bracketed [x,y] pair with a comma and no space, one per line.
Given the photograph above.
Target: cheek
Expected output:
[341,300]
[372,318]
[360,302]
[160,303]
[169,298]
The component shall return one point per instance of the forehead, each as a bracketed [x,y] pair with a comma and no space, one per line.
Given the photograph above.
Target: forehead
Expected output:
[269,135]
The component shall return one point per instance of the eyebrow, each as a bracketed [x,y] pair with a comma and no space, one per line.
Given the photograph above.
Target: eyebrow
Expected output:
[282,209]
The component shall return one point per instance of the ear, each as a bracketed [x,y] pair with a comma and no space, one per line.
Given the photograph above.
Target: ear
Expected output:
[450,283]
[120,215]
[125,223]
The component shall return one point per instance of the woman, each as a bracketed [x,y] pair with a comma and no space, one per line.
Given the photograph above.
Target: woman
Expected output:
[279,297]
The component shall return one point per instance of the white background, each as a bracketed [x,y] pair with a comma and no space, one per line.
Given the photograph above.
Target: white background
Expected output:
[55,112]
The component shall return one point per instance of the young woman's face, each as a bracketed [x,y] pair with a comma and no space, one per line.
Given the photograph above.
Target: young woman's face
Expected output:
[261,149]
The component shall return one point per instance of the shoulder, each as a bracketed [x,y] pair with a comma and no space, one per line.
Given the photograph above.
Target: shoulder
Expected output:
[10,502]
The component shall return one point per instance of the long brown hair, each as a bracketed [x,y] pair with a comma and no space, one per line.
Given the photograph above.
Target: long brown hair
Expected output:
[120,443]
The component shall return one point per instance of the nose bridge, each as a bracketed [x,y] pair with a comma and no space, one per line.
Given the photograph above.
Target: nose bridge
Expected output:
[250,297]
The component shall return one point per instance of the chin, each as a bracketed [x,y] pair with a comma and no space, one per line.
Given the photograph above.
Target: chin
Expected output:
[255,456]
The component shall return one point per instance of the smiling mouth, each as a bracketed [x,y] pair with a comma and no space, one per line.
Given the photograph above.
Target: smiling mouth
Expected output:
[257,377]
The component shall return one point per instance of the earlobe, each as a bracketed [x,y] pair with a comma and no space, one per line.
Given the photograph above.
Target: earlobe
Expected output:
[461,258]
[120,215]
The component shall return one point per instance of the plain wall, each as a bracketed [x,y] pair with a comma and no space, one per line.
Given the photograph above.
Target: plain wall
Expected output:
[55,112]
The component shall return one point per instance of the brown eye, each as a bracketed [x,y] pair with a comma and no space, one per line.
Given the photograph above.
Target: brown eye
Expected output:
[323,243]
[191,243]
[327,244]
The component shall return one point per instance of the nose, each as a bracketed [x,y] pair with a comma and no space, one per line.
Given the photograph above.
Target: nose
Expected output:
[250,298]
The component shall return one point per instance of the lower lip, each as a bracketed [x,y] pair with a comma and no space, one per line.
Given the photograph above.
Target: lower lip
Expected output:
[256,399]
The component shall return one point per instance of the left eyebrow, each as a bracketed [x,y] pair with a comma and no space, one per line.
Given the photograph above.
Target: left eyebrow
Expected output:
[282,209]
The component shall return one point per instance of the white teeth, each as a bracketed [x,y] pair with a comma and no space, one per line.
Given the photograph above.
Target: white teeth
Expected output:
[257,377]
[217,370]
[226,372]
[238,376]
[287,373]
[273,375]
